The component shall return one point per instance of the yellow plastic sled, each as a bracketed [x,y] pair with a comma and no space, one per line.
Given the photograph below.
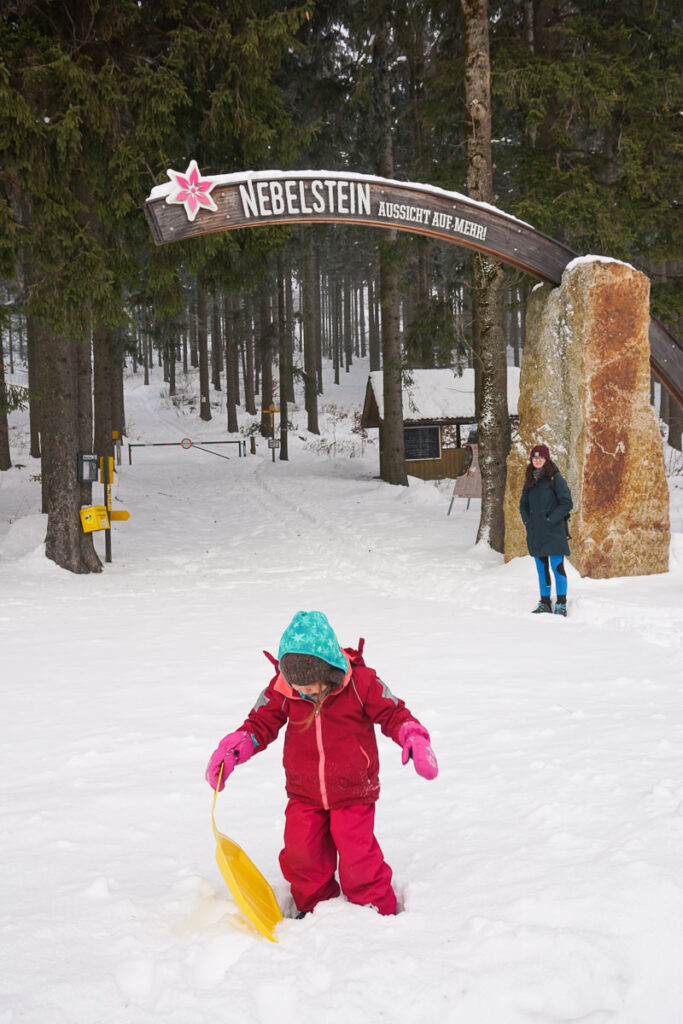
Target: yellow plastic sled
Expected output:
[249,889]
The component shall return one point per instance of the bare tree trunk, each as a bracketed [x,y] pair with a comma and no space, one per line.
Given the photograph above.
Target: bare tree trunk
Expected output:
[194,353]
[231,397]
[84,411]
[5,458]
[392,453]
[171,356]
[348,330]
[520,306]
[145,354]
[136,335]
[118,405]
[65,543]
[311,336]
[489,282]
[288,383]
[10,345]
[249,390]
[265,352]
[317,317]
[163,341]
[493,423]
[284,357]
[102,390]
[373,328]
[334,293]
[216,342]
[202,350]
[392,458]
[361,311]
[33,334]
[325,316]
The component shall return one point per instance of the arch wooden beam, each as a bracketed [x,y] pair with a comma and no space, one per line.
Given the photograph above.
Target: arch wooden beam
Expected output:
[190,205]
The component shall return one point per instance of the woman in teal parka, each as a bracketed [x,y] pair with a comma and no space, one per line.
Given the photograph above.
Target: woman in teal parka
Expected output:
[545,504]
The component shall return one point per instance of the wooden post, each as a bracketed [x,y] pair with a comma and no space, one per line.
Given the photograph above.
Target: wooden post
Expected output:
[107,472]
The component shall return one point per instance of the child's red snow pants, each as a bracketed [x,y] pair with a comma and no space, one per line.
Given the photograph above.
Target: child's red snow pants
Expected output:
[313,839]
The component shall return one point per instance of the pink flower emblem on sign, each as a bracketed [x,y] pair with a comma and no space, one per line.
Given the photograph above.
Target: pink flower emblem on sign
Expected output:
[192,191]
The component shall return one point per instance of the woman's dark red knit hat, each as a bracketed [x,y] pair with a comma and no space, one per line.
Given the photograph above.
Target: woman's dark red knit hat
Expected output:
[542,450]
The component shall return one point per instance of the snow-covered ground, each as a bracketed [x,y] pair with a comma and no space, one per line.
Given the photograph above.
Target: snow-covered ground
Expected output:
[541,873]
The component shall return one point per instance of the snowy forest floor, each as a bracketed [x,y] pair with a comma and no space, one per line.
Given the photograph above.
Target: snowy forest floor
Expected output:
[541,874]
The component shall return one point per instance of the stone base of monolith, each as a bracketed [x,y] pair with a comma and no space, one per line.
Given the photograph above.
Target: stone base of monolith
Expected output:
[585,392]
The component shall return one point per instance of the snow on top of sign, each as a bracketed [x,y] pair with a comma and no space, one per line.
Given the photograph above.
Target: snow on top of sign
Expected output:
[441,394]
[595,259]
[584,260]
[239,177]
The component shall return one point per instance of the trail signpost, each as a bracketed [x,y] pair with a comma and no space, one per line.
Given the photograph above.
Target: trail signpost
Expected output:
[273,442]
[88,467]
[100,517]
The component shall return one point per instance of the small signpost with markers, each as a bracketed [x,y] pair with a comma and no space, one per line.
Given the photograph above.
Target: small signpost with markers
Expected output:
[273,441]
[100,517]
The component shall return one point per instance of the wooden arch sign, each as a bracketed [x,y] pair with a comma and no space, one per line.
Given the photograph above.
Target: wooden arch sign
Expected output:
[191,204]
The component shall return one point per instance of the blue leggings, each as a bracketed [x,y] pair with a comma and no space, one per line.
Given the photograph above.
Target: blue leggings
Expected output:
[543,567]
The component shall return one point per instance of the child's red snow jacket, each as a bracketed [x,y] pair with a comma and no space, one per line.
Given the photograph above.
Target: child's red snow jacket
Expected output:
[330,757]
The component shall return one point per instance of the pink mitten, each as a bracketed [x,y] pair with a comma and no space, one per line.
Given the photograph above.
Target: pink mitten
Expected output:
[233,749]
[414,739]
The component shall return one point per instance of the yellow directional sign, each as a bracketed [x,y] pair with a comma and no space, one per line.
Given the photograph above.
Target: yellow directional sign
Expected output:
[110,468]
[93,518]
[119,513]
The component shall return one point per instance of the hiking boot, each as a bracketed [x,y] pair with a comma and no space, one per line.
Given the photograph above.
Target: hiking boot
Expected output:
[543,605]
[561,608]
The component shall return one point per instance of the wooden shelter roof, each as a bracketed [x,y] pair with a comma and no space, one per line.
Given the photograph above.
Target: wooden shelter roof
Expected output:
[433,397]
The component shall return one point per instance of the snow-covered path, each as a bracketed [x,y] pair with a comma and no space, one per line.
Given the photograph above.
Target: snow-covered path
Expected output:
[540,873]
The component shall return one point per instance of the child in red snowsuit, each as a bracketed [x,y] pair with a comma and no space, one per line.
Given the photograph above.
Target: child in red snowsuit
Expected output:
[330,701]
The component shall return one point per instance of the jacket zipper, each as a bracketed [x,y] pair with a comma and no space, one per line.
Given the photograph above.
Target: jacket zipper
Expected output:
[321,758]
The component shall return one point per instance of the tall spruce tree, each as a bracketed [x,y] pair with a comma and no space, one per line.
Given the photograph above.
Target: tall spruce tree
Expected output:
[95,94]
[489,280]
[589,93]
[59,129]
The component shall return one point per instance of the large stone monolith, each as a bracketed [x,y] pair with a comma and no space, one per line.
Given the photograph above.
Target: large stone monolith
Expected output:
[585,392]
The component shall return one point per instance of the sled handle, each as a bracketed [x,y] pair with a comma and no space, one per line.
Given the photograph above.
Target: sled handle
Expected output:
[215,797]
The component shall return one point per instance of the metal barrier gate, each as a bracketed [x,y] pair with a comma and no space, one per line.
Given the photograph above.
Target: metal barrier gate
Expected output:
[186,443]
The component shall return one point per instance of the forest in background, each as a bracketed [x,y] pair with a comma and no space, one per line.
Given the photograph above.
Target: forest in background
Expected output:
[99,99]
